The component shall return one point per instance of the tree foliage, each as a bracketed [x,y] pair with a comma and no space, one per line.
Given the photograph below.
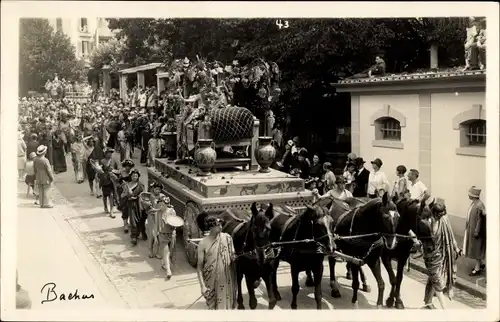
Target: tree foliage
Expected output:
[44,53]
[109,53]
[311,53]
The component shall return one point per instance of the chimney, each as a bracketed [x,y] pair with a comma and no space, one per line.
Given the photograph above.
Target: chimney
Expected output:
[434,57]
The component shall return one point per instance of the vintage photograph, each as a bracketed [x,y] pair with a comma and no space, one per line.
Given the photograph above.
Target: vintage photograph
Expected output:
[252,163]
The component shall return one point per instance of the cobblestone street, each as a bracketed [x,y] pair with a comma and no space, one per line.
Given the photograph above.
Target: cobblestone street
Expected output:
[119,275]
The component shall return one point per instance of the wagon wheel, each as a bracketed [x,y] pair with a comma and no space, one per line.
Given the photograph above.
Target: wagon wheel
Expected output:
[191,230]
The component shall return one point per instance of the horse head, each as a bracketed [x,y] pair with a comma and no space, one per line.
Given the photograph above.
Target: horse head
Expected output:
[382,216]
[320,223]
[260,229]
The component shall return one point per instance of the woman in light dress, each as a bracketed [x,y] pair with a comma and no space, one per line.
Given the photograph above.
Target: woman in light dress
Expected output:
[216,269]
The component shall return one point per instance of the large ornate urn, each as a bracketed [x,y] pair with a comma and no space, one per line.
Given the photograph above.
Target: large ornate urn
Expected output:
[205,155]
[265,153]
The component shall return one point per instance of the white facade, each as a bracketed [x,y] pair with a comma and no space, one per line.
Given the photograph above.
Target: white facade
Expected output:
[434,115]
[85,33]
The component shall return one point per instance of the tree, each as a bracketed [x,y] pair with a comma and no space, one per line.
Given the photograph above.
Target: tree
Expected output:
[109,53]
[44,53]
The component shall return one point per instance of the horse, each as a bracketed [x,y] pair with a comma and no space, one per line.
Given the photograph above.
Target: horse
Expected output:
[255,257]
[305,239]
[336,208]
[363,232]
[410,218]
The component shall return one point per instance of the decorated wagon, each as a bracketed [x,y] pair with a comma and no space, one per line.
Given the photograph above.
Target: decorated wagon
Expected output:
[215,181]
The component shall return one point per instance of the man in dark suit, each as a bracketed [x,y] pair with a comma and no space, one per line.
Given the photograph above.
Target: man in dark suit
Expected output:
[360,179]
[44,176]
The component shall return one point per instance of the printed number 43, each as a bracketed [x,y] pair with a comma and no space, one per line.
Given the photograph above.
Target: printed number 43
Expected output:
[283,24]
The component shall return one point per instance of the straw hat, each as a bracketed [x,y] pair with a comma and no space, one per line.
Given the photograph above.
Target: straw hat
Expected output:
[41,150]
[474,192]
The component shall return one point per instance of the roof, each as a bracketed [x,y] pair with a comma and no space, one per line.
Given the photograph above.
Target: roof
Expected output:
[136,69]
[420,75]
[448,79]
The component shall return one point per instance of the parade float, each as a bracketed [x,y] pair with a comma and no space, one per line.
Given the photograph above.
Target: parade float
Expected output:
[223,156]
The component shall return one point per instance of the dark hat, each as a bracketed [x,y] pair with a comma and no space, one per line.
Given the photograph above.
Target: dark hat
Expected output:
[135,171]
[360,161]
[351,164]
[378,162]
[128,163]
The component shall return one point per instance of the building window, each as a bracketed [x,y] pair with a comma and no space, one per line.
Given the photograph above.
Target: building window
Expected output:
[476,133]
[85,48]
[390,128]
[471,126]
[83,25]
[59,27]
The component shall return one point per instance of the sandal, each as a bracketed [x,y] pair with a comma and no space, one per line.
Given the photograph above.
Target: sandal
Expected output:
[475,272]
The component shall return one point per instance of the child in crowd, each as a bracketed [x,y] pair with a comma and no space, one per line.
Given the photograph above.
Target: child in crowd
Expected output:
[349,176]
[29,169]
[401,183]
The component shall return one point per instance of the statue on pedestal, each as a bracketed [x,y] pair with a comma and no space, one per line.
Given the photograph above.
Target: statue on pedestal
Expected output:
[475,44]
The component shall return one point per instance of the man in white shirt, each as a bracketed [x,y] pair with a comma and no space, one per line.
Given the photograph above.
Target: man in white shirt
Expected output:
[418,190]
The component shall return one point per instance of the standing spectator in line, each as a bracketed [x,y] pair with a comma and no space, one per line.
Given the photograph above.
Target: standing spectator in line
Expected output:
[142,98]
[329,176]
[43,177]
[349,176]
[377,179]
[401,183]
[32,144]
[21,155]
[475,231]
[360,179]
[29,169]
[418,190]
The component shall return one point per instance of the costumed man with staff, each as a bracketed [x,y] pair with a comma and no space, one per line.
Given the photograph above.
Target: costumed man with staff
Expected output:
[161,225]
[106,182]
[122,178]
[132,211]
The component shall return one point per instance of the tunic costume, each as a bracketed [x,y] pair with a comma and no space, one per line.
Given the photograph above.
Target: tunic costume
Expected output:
[132,209]
[439,256]
[219,273]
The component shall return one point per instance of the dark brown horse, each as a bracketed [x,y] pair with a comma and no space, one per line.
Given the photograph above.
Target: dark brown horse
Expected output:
[409,220]
[304,240]
[251,238]
[336,209]
[363,232]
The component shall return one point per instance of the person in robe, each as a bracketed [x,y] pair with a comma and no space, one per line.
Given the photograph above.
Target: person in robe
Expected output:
[46,140]
[216,264]
[106,181]
[123,178]
[145,129]
[78,157]
[44,177]
[154,149]
[59,153]
[90,165]
[131,191]
[475,232]
[440,253]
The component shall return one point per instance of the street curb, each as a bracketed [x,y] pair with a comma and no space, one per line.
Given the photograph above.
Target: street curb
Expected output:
[462,284]
[102,282]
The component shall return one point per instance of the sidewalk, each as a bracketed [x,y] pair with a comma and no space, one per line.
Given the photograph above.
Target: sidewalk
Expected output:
[474,285]
[48,251]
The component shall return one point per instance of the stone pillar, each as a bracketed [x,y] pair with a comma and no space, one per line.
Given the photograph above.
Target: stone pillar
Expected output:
[123,86]
[160,82]
[140,79]
[106,79]
[355,126]
[424,150]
